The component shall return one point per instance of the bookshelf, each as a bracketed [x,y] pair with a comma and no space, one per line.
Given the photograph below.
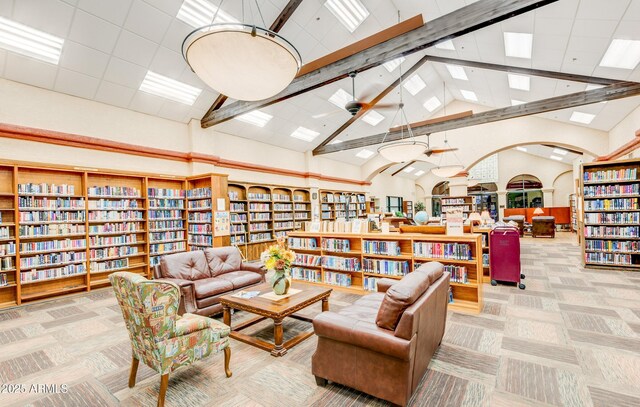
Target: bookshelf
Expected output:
[8,245]
[573,207]
[611,214]
[205,193]
[464,203]
[354,262]
[486,269]
[342,204]
[238,205]
[166,206]
[407,207]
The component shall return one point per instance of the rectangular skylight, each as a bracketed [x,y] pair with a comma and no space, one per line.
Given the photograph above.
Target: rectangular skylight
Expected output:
[393,64]
[555,157]
[414,84]
[168,88]
[341,98]
[256,117]
[469,95]
[373,118]
[584,118]
[30,42]
[419,173]
[448,45]
[305,134]
[523,149]
[623,54]
[515,102]
[409,170]
[351,13]
[198,13]
[559,151]
[432,104]
[457,72]
[364,153]
[518,45]
[520,82]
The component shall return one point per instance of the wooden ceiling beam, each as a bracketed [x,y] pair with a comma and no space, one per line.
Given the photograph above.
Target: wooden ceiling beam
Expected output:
[403,167]
[467,19]
[611,92]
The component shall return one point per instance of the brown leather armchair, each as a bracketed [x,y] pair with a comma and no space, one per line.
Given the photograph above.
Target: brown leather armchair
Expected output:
[543,226]
[519,219]
[204,275]
[383,343]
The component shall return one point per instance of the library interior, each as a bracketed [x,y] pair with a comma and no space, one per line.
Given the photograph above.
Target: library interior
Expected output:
[344,203]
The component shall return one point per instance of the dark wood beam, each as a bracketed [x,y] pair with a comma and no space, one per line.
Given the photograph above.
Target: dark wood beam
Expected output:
[466,113]
[525,71]
[403,167]
[276,26]
[457,23]
[611,92]
[373,102]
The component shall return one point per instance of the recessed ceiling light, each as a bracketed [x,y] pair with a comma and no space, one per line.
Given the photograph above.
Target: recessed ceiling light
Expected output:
[409,170]
[520,82]
[168,88]
[469,95]
[364,153]
[341,98]
[336,141]
[457,72]
[515,102]
[419,173]
[305,134]
[448,45]
[523,149]
[555,157]
[414,84]
[393,64]
[580,117]
[592,86]
[30,42]
[198,13]
[518,45]
[351,13]
[432,104]
[559,151]
[624,54]
[256,117]
[373,118]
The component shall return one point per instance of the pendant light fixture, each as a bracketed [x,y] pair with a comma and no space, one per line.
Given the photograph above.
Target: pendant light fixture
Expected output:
[445,169]
[241,61]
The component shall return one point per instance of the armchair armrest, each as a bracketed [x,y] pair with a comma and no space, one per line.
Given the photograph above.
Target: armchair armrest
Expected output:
[384,284]
[255,267]
[342,329]
[187,297]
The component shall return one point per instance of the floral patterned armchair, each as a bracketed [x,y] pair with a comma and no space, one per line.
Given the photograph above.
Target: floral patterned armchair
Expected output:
[162,339]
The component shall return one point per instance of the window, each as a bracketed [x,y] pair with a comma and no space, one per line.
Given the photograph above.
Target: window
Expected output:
[394,204]
[524,191]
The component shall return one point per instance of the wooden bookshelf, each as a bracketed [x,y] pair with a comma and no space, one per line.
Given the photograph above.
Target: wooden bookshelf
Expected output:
[342,204]
[354,262]
[573,207]
[203,194]
[465,203]
[8,246]
[407,207]
[166,205]
[611,214]
[484,231]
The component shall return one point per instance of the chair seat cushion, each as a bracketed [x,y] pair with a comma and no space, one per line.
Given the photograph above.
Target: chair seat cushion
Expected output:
[208,287]
[241,278]
[190,323]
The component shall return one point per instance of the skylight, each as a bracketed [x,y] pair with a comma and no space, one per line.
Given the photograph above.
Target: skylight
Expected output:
[523,149]
[419,173]
[364,153]
[168,88]
[305,134]
[623,54]
[256,117]
[518,45]
[393,64]
[198,13]
[555,157]
[414,84]
[432,104]
[515,102]
[30,42]
[351,13]
[560,151]
[373,118]
[520,82]
[340,98]
[584,118]
[469,95]
[448,45]
[457,72]
[409,170]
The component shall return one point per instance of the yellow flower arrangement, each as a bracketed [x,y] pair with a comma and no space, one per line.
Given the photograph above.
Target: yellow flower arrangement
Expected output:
[278,256]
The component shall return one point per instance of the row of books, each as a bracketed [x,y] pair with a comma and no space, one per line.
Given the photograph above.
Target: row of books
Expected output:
[235,217]
[301,216]
[121,204]
[259,226]
[611,190]
[370,283]
[29,202]
[237,207]
[240,228]
[165,224]
[282,216]
[171,247]
[3,280]
[302,242]
[115,215]
[166,203]
[7,248]
[109,190]
[199,193]
[388,248]
[613,245]
[625,174]
[52,259]
[611,231]
[200,228]
[336,245]
[239,239]
[300,207]
[611,258]
[258,197]
[456,251]
[167,213]
[458,273]
[282,207]
[260,216]
[233,195]
[330,198]
[51,230]
[281,197]
[485,259]
[97,254]
[461,208]
[299,198]
[201,240]
[612,204]
[283,225]
[155,237]
[166,193]
[108,240]
[616,217]
[49,274]
[339,279]
[281,233]
[4,232]
[6,263]
[51,216]
[100,266]
[301,273]
[307,260]
[259,237]
[386,267]
[453,201]
[116,227]
[259,207]
[200,204]
[341,263]
[44,188]
[343,214]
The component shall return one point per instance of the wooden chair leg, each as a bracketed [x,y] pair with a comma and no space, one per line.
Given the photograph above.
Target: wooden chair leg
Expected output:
[321,381]
[164,383]
[134,370]
[227,359]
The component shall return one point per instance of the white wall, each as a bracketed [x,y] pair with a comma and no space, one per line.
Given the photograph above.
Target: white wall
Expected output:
[625,131]
[384,185]
[513,162]
[563,186]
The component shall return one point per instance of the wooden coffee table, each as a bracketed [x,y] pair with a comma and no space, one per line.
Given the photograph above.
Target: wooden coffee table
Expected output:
[276,310]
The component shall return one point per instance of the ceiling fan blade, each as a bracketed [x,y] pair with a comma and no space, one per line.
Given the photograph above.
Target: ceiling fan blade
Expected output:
[442,150]
[379,106]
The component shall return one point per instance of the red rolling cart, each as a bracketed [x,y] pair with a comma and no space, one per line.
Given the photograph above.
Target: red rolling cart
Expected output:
[504,255]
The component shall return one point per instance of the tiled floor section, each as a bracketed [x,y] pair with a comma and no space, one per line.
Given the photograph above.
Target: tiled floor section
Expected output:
[572,338]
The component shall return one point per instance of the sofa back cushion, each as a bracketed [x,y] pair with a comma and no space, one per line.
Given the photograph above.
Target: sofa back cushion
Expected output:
[223,260]
[400,296]
[186,266]
[433,269]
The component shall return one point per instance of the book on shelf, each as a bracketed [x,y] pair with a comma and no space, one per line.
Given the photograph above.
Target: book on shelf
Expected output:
[175,194]
[336,245]
[302,259]
[108,204]
[199,193]
[336,278]
[615,218]
[383,247]
[370,283]
[301,273]
[46,189]
[7,249]
[258,197]
[30,202]
[302,243]
[455,251]
[613,246]
[51,259]
[113,191]
[341,263]
[612,231]
[624,174]
[32,276]
[386,267]
[458,273]
[611,204]
[52,230]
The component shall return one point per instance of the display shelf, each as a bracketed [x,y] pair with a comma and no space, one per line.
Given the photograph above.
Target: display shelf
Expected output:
[464,203]
[342,204]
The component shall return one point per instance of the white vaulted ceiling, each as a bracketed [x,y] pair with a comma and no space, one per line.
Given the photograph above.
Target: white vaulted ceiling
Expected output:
[110,45]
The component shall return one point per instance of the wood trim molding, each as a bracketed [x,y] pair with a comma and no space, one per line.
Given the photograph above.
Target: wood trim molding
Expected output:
[93,143]
[623,150]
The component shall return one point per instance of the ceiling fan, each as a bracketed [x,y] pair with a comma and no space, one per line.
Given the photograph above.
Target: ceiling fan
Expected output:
[436,150]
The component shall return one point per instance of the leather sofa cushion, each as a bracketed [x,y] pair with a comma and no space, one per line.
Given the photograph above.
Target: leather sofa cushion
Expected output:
[186,266]
[211,286]
[241,278]
[434,269]
[400,296]
[223,260]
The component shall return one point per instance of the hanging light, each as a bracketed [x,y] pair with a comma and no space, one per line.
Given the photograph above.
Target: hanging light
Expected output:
[405,149]
[443,169]
[447,171]
[241,61]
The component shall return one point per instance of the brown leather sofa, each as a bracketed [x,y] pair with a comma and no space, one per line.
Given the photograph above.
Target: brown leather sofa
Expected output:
[519,219]
[543,226]
[383,343]
[205,275]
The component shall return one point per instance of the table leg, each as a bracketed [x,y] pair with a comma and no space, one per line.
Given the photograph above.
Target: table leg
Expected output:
[226,315]
[278,349]
[325,304]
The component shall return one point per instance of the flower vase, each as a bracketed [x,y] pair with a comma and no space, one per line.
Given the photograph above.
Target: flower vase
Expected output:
[280,282]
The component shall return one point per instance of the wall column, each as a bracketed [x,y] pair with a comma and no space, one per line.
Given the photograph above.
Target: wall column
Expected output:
[502,203]
[547,197]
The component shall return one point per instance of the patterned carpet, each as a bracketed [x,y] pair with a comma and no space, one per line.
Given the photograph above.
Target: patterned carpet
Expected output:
[572,338]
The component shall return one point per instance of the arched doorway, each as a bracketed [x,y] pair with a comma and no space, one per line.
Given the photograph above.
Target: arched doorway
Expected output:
[525,191]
